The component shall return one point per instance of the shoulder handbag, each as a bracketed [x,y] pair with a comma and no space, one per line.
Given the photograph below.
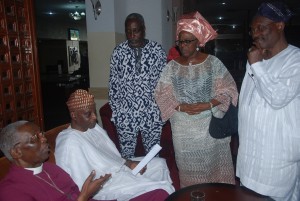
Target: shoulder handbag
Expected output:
[226,126]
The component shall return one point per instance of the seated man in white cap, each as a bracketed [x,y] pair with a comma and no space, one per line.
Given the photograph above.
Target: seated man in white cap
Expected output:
[85,146]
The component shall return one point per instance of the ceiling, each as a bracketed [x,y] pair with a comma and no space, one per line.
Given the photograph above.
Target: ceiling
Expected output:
[233,12]
[60,9]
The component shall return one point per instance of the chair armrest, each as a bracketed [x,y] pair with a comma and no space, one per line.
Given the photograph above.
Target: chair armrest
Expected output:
[105,113]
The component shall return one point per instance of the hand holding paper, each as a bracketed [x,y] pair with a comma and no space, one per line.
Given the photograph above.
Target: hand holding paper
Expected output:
[155,149]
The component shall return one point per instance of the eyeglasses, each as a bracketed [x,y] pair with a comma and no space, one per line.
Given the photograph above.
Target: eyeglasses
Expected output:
[260,28]
[185,42]
[33,139]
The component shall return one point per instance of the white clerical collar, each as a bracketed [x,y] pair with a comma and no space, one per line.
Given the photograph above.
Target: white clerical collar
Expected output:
[36,170]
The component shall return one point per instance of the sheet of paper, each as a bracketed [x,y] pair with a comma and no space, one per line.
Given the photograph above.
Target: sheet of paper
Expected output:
[155,149]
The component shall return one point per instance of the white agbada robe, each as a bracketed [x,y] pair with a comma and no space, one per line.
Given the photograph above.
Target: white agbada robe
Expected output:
[269,126]
[78,153]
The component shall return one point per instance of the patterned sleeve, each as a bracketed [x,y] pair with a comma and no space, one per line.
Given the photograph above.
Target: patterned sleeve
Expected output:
[224,87]
[164,94]
[113,81]
[163,58]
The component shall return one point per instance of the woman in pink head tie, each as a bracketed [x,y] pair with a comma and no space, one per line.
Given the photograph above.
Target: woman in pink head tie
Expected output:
[190,87]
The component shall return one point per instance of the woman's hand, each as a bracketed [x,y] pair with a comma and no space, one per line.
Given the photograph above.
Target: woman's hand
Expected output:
[194,108]
[197,108]
[132,164]
[91,186]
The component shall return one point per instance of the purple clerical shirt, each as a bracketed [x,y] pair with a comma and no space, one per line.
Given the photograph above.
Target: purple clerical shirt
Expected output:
[21,184]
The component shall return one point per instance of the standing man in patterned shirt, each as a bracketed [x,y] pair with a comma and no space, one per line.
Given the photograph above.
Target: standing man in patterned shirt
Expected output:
[135,67]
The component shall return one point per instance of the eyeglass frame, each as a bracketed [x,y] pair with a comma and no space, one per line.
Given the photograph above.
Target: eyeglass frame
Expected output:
[260,28]
[33,139]
[185,42]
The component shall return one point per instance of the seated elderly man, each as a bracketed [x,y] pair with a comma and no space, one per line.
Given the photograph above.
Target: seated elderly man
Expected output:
[29,178]
[85,146]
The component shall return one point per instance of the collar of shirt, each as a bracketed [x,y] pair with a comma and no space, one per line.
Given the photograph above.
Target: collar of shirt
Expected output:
[36,170]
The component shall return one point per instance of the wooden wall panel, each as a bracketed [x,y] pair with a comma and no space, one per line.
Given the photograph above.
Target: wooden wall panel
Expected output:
[20,94]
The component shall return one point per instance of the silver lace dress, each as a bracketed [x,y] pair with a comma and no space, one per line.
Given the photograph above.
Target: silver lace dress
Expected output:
[199,157]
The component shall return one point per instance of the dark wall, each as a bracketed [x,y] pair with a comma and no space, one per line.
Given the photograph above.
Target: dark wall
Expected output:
[56,87]
[292,34]
[51,52]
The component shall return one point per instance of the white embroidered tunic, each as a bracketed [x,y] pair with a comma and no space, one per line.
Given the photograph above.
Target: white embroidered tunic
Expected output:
[269,126]
[78,153]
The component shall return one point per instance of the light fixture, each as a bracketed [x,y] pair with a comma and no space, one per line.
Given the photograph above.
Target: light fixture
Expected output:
[172,16]
[76,15]
[96,8]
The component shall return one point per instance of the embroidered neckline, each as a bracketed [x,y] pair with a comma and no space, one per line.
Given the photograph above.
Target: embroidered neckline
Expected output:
[138,57]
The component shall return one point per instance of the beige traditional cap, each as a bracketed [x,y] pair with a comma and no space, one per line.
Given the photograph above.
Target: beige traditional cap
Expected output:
[197,25]
[80,99]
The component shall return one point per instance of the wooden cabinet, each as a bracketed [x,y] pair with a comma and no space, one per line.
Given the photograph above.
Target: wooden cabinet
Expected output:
[20,93]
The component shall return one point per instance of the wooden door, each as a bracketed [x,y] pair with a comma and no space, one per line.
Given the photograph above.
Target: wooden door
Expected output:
[20,92]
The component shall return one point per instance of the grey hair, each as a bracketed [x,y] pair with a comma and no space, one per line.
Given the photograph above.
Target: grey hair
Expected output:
[135,16]
[9,136]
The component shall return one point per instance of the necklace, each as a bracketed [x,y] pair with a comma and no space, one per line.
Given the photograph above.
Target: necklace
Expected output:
[52,184]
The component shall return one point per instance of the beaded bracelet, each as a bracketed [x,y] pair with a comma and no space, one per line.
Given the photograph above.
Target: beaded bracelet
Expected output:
[211,105]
